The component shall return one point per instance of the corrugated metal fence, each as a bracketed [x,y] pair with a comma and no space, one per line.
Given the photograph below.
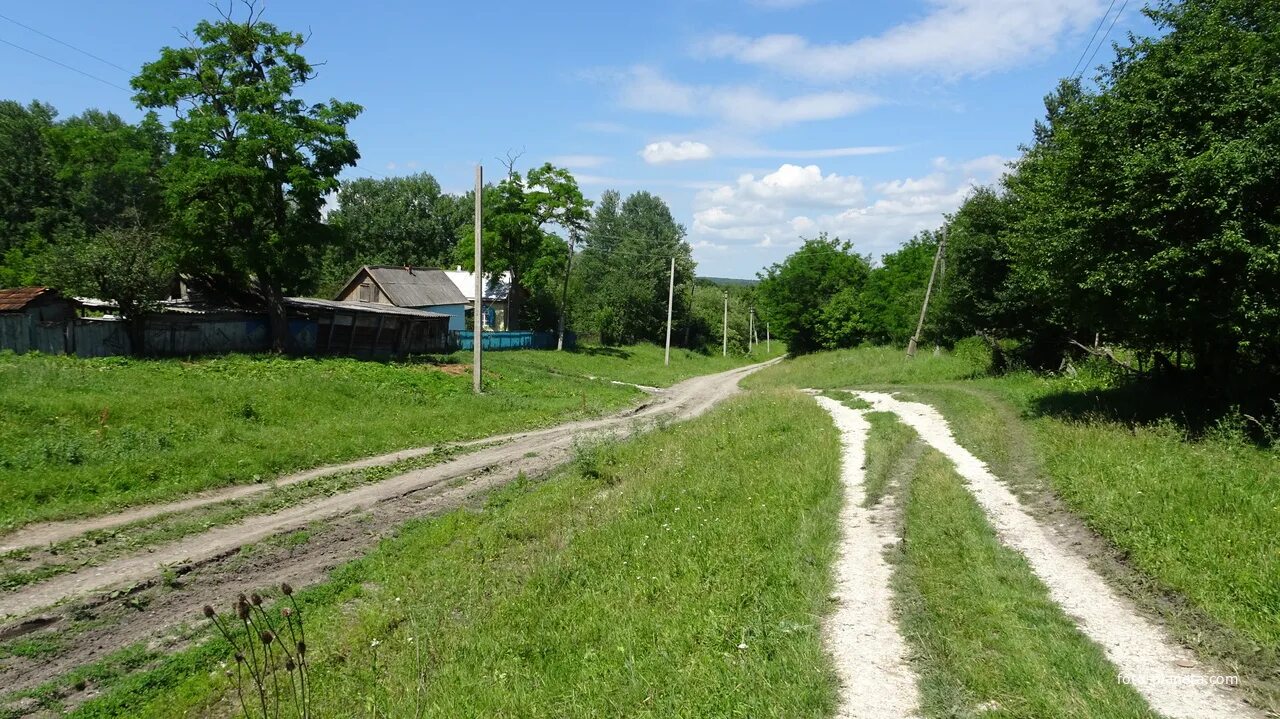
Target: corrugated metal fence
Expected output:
[515,340]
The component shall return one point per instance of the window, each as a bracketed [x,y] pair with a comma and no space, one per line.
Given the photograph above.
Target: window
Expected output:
[368,293]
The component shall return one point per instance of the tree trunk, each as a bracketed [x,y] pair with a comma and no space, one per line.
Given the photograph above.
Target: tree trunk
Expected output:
[135,325]
[277,316]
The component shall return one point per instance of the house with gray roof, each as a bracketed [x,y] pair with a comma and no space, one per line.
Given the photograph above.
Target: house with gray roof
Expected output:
[418,288]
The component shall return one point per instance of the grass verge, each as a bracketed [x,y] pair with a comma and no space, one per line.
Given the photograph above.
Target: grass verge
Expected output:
[681,574]
[86,436]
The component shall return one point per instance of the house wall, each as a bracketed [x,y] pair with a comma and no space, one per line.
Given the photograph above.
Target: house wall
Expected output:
[353,294]
[457,315]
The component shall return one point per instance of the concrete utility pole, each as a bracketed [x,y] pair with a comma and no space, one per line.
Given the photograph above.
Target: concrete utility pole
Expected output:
[751,327]
[768,341]
[671,296]
[725,331]
[924,308]
[477,338]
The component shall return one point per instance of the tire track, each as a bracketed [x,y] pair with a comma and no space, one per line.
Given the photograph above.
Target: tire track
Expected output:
[877,681]
[1167,675]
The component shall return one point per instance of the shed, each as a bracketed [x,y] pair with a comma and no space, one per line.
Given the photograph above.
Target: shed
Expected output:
[371,329]
[35,319]
[43,304]
[406,287]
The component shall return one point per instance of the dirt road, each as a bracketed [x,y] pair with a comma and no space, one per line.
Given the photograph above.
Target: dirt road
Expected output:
[121,602]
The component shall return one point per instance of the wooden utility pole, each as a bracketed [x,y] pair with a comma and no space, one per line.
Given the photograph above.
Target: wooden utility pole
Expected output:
[725,332]
[477,336]
[564,294]
[924,308]
[671,296]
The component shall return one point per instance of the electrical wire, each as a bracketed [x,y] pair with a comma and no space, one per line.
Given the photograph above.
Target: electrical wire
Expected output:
[60,42]
[63,64]
[1102,20]
[1105,37]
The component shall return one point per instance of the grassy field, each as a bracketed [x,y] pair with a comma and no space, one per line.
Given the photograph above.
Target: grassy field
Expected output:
[637,581]
[83,436]
[1194,522]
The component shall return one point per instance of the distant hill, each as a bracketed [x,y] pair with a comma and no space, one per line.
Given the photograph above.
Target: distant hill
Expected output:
[729,281]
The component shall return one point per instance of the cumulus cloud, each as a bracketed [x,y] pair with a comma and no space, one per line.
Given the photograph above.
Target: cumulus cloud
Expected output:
[657,153]
[957,38]
[776,210]
[645,89]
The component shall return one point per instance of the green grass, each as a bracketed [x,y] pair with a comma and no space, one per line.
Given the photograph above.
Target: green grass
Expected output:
[987,638]
[862,366]
[638,364]
[893,456]
[682,574]
[84,436]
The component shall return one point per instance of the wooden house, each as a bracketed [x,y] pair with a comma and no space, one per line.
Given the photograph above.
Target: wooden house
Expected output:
[415,288]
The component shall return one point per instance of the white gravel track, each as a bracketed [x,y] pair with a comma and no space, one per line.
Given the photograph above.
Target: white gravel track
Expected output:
[862,635]
[1166,674]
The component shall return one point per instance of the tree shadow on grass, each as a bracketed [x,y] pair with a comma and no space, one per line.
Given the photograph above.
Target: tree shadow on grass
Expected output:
[1246,406]
[603,352]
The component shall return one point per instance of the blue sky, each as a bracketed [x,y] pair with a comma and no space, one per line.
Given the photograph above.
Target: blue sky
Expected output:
[759,121]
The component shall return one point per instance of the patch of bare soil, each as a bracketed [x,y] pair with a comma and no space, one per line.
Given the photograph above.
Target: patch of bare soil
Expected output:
[99,610]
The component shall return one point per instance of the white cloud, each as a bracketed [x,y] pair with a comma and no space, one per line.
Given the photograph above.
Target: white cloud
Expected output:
[908,186]
[776,210]
[644,88]
[578,161]
[957,38]
[657,153]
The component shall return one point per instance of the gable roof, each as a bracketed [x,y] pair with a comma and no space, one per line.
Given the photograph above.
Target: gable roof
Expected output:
[20,298]
[411,286]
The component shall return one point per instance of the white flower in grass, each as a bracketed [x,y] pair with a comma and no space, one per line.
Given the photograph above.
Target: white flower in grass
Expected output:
[742,646]
[374,644]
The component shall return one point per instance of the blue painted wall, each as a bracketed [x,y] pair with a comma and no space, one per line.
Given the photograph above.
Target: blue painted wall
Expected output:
[457,315]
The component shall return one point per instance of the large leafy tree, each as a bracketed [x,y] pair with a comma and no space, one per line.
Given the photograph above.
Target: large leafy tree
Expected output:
[31,202]
[520,213]
[890,300]
[812,295]
[629,246]
[252,162]
[130,265]
[109,170]
[398,220]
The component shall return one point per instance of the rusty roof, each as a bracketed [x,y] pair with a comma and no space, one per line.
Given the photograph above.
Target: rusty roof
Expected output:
[18,299]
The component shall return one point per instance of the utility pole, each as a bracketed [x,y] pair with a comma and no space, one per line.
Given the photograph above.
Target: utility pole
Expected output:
[937,258]
[477,336]
[751,327]
[768,341]
[564,294]
[671,296]
[725,332]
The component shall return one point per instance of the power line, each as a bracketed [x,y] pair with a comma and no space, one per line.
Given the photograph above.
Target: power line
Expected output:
[1092,37]
[1104,37]
[60,42]
[63,64]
